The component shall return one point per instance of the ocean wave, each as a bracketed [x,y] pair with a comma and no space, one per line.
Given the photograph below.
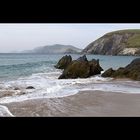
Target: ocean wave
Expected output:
[9,72]
[29,64]
[47,85]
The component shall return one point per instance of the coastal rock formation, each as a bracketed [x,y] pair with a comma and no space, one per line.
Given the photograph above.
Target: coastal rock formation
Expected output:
[81,68]
[123,42]
[108,72]
[76,69]
[64,62]
[131,71]
[95,67]
[82,58]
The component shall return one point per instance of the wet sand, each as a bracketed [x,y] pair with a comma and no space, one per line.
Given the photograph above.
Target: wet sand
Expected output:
[85,103]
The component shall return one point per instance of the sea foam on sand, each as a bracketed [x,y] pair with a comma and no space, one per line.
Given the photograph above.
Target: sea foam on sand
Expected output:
[47,85]
[4,112]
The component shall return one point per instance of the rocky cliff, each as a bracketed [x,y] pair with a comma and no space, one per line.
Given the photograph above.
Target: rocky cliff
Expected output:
[122,42]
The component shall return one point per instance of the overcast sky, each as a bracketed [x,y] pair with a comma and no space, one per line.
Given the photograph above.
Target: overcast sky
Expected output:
[18,37]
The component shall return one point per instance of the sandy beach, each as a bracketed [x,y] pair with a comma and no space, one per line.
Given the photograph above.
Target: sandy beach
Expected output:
[85,103]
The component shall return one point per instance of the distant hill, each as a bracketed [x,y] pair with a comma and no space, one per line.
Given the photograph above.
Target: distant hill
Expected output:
[54,49]
[122,42]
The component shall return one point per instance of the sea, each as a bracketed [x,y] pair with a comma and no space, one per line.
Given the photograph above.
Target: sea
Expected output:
[37,70]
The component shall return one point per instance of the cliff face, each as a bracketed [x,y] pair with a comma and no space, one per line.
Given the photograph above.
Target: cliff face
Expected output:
[124,42]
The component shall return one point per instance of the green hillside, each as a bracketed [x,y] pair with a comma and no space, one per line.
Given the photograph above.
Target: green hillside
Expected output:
[133,31]
[132,42]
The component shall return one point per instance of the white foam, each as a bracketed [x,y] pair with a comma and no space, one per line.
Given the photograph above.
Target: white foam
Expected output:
[4,112]
[113,87]
[47,85]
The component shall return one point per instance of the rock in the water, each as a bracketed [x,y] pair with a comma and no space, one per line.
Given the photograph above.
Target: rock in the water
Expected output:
[81,68]
[30,87]
[108,72]
[16,88]
[76,69]
[134,63]
[82,58]
[22,93]
[131,71]
[64,62]
[95,67]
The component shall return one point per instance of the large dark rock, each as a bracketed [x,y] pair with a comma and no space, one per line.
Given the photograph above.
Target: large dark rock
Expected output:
[134,63]
[64,62]
[131,71]
[95,67]
[76,69]
[81,68]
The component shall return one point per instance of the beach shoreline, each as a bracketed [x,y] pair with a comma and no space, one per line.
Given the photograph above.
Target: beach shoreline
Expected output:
[83,104]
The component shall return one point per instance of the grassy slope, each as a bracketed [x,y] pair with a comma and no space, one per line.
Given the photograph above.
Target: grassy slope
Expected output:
[134,41]
[136,31]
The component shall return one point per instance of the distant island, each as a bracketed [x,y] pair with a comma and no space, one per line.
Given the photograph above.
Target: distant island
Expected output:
[121,42]
[55,49]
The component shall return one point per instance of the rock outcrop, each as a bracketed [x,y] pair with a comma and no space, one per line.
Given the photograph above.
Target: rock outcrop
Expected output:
[131,71]
[123,42]
[95,67]
[81,68]
[64,62]
[82,58]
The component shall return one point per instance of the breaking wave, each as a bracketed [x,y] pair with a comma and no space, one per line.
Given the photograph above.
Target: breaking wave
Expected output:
[47,85]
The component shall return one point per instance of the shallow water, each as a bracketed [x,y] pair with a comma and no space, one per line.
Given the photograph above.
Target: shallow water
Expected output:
[22,70]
